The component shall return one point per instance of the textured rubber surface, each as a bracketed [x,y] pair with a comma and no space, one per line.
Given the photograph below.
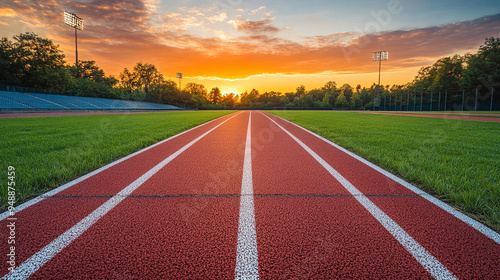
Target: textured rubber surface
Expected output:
[184,222]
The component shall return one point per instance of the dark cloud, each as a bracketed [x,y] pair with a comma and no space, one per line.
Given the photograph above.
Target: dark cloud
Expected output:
[259,26]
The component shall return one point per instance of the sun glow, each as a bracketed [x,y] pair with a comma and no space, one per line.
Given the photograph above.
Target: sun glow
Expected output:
[229,90]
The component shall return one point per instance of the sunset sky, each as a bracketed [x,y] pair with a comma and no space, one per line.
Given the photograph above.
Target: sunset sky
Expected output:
[238,45]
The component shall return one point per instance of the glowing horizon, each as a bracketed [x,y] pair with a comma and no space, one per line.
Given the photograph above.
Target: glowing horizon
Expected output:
[269,46]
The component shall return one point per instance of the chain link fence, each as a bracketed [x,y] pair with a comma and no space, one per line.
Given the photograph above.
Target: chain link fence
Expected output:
[466,99]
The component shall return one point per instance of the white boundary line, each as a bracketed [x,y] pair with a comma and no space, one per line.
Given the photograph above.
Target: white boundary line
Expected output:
[429,262]
[247,264]
[464,218]
[50,193]
[33,263]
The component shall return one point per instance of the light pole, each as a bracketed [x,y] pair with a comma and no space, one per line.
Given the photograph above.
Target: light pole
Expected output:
[179,75]
[77,23]
[379,56]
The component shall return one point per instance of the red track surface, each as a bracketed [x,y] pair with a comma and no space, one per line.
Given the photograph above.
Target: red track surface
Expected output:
[182,223]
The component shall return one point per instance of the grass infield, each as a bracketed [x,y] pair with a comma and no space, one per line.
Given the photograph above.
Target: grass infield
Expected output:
[457,161]
[47,152]
[493,114]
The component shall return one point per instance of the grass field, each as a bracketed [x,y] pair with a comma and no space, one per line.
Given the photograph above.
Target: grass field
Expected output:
[451,113]
[457,161]
[50,151]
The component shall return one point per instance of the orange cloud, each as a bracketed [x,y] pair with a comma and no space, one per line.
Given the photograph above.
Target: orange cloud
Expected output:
[4,12]
[119,34]
[259,26]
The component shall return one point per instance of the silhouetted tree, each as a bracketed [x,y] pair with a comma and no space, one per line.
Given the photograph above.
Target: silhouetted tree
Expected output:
[214,95]
[196,89]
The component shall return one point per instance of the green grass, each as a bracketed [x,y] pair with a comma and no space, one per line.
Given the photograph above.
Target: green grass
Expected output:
[463,114]
[457,161]
[50,151]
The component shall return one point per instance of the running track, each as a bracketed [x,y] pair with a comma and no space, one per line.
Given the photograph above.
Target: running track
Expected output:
[245,196]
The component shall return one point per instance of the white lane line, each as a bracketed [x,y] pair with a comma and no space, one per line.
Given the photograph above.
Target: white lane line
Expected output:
[39,198]
[464,218]
[33,263]
[429,262]
[247,265]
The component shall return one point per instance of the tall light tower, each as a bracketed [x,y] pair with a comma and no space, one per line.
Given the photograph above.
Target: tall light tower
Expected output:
[77,23]
[179,75]
[379,56]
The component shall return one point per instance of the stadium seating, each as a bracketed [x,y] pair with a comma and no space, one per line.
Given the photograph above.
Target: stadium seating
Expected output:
[40,101]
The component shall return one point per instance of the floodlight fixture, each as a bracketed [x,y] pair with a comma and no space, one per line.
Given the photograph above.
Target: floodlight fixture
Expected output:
[73,20]
[77,23]
[179,76]
[379,56]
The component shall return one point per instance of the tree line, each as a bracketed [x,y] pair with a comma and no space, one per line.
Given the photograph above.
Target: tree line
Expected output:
[32,61]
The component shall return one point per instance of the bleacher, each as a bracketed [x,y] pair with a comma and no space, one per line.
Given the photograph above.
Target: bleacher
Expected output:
[41,101]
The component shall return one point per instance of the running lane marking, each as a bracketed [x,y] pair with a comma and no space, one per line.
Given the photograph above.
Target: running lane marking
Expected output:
[39,198]
[33,263]
[462,217]
[247,264]
[429,262]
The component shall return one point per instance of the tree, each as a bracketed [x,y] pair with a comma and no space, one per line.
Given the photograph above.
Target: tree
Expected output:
[330,90]
[147,75]
[87,69]
[446,73]
[168,93]
[341,100]
[301,91]
[229,100]
[317,94]
[327,102]
[356,101]
[35,62]
[483,68]
[330,87]
[249,99]
[128,80]
[214,95]
[347,90]
[9,69]
[196,89]
[142,79]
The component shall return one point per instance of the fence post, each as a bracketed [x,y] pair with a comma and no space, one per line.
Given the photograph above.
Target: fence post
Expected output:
[475,106]
[408,102]
[401,102]
[390,99]
[445,99]
[414,100]
[421,100]
[431,102]
[463,99]
[439,104]
[491,102]
[373,102]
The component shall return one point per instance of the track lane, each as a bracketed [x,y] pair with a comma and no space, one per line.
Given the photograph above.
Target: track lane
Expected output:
[307,224]
[44,221]
[280,164]
[465,251]
[165,229]
[304,234]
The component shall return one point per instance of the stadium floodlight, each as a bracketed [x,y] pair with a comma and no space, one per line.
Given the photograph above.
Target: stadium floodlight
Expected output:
[179,76]
[77,23]
[379,56]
